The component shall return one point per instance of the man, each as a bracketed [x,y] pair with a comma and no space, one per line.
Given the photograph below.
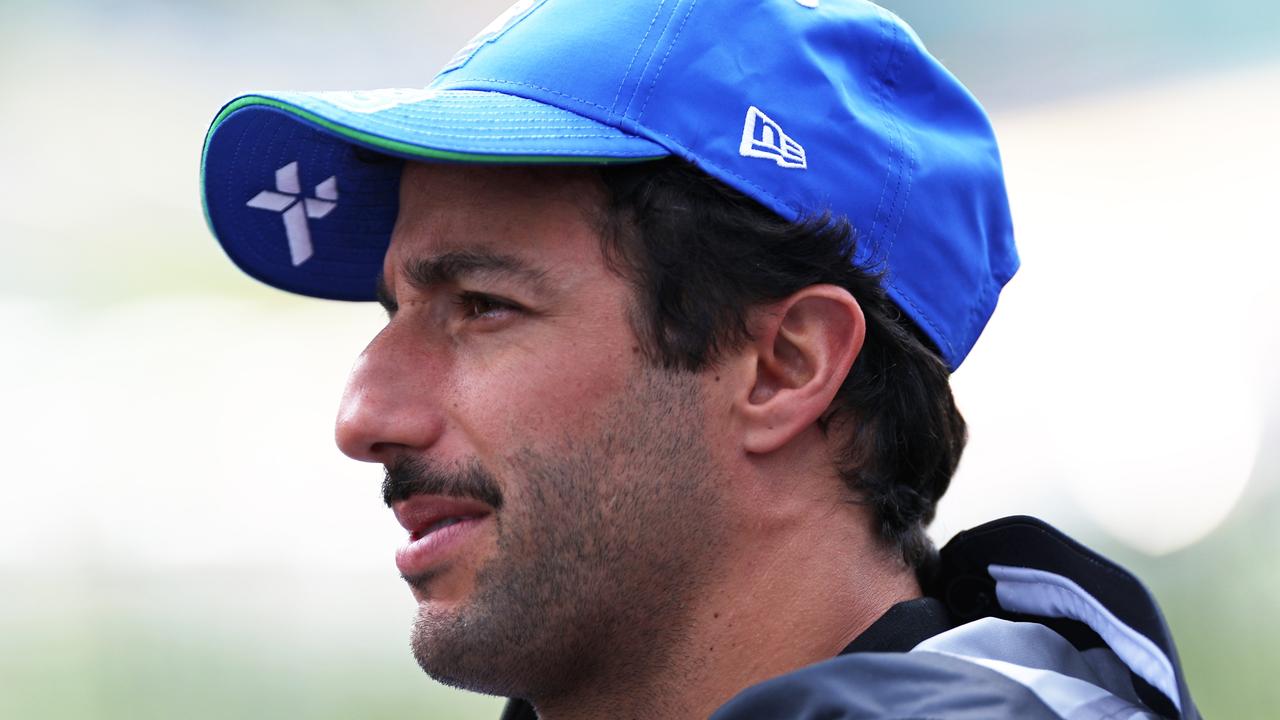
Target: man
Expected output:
[673,293]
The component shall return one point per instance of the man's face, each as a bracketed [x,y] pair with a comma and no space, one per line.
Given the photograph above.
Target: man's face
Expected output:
[560,494]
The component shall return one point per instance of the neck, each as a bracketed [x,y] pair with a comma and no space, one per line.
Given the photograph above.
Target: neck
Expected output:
[790,594]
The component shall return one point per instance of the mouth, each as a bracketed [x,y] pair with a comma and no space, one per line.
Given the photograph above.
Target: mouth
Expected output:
[439,528]
[440,525]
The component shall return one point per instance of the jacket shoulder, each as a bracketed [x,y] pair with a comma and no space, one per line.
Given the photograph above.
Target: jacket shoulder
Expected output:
[916,686]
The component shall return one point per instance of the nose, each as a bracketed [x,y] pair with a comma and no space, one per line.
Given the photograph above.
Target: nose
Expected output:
[388,405]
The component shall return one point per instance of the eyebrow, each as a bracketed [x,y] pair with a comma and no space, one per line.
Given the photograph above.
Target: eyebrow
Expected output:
[452,267]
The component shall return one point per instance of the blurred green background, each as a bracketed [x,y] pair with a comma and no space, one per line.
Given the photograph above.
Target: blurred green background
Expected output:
[179,538]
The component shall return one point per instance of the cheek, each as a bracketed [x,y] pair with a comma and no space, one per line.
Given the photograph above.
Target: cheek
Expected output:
[533,396]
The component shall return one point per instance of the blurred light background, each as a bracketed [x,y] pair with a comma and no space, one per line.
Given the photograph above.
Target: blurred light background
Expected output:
[180,538]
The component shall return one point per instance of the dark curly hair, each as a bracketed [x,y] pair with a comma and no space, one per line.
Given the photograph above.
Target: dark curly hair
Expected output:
[702,255]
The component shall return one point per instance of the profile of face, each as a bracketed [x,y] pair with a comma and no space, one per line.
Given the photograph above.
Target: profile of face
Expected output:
[560,492]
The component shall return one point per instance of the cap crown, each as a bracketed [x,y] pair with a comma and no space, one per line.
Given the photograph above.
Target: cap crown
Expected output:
[807,107]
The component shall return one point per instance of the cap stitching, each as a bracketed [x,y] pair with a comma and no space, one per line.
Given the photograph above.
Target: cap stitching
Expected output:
[498,126]
[923,315]
[464,112]
[900,193]
[546,89]
[464,119]
[521,136]
[547,118]
[497,114]
[469,121]
[419,132]
[896,158]
[906,194]
[636,91]
[990,287]
[454,108]
[623,83]
[880,101]
[653,83]
[901,150]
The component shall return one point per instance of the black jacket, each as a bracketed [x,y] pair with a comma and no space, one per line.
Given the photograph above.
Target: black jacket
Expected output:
[1019,621]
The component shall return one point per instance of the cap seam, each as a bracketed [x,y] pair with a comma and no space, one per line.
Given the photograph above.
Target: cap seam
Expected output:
[990,289]
[894,176]
[898,164]
[884,186]
[901,193]
[541,88]
[422,113]
[530,136]
[661,66]
[950,349]
[657,43]
[613,107]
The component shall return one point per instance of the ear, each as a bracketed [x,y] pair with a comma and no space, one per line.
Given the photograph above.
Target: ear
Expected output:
[804,347]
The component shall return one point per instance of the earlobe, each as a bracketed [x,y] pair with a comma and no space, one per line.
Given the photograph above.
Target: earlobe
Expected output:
[804,347]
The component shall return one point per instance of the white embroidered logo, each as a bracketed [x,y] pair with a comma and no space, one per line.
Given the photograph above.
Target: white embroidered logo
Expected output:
[295,210]
[764,138]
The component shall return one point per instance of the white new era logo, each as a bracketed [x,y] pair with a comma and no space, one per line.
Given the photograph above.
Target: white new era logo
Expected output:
[296,210]
[763,138]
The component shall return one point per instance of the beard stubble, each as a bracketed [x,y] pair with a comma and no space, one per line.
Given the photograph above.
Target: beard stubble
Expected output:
[603,541]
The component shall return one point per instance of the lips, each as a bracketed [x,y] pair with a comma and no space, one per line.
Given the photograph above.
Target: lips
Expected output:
[438,527]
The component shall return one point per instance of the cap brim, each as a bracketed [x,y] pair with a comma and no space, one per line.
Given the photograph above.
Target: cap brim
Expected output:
[297,201]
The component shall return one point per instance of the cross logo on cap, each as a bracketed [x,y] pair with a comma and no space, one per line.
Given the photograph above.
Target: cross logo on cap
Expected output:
[295,210]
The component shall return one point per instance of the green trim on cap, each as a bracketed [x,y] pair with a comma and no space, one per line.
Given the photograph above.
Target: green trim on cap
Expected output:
[393,146]
[403,148]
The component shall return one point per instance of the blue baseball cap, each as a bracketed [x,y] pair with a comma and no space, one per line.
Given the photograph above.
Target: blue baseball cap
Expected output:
[807,106]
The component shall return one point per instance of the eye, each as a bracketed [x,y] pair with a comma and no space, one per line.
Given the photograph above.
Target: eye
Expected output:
[478,306]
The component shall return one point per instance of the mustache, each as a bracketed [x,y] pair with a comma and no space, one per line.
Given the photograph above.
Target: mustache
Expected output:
[407,477]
